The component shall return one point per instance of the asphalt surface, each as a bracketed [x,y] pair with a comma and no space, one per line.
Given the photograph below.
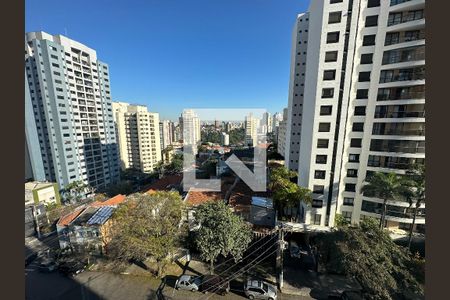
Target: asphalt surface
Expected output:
[100,285]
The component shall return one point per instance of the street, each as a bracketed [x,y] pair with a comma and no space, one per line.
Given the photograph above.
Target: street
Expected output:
[101,285]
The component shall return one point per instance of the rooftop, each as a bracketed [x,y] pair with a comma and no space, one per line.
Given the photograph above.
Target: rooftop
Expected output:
[32,185]
[101,215]
[114,201]
[166,183]
[84,217]
[67,219]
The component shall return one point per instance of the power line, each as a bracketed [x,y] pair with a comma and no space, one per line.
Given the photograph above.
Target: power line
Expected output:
[234,275]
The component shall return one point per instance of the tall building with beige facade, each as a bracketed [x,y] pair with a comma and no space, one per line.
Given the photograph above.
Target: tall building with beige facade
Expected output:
[138,136]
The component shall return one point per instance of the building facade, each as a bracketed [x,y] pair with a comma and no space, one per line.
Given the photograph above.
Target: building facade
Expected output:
[362,92]
[138,136]
[251,130]
[166,129]
[281,136]
[190,128]
[69,89]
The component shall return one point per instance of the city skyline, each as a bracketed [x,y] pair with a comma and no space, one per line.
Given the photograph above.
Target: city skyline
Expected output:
[201,35]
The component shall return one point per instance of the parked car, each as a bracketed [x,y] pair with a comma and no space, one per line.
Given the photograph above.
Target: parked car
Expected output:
[258,289]
[188,282]
[215,284]
[72,268]
[294,249]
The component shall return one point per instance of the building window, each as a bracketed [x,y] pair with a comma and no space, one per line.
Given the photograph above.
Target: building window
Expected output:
[318,189]
[317,203]
[317,218]
[322,143]
[353,158]
[321,159]
[325,110]
[358,127]
[347,215]
[332,37]
[369,40]
[362,93]
[319,174]
[329,74]
[360,110]
[324,127]
[328,93]
[373,3]
[331,56]
[352,173]
[334,17]
[371,21]
[335,1]
[355,143]
[366,58]
[364,76]
[348,201]
[350,187]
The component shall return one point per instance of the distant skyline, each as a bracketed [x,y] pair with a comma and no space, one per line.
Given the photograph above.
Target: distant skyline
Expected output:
[174,54]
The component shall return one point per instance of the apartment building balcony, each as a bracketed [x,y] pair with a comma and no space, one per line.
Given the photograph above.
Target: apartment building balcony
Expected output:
[399,5]
[401,17]
[395,213]
[393,162]
[401,93]
[406,74]
[400,111]
[400,129]
[402,37]
[404,55]
[397,146]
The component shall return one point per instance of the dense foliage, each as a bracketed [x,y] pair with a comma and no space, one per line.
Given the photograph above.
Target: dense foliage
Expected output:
[211,136]
[286,193]
[237,136]
[367,253]
[221,232]
[147,226]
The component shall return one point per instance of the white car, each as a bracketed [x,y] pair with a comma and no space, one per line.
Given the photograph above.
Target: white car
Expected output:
[188,282]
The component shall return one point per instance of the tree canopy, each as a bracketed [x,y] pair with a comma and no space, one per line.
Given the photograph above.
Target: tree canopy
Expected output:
[221,232]
[285,192]
[146,226]
[367,253]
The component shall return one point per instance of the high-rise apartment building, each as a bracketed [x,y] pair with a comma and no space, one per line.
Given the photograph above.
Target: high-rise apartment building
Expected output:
[357,104]
[251,130]
[70,106]
[267,122]
[166,130]
[190,128]
[138,136]
[281,134]
[225,139]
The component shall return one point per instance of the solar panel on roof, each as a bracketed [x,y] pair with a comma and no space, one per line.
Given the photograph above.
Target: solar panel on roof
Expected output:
[101,215]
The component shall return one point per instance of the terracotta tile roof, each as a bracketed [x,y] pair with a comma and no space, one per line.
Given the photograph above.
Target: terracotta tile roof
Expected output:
[166,183]
[195,198]
[116,200]
[67,219]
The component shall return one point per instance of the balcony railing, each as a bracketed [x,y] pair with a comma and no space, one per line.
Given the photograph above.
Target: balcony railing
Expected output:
[401,96]
[398,57]
[399,18]
[416,132]
[409,76]
[400,114]
[395,2]
[392,40]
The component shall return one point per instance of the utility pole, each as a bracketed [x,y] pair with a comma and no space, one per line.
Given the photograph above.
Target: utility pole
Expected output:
[280,257]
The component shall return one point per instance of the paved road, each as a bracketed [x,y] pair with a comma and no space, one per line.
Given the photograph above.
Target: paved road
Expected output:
[99,285]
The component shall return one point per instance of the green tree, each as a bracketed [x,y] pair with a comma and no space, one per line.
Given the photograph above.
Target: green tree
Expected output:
[147,226]
[75,191]
[414,192]
[385,186]
[367,253]
[237,136]
[285,192]
[221,232]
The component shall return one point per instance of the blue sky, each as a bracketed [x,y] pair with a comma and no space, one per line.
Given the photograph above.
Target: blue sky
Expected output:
[176,54]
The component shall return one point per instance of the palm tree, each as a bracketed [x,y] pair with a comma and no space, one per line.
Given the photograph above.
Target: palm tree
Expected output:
[385,186]
[415,192]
